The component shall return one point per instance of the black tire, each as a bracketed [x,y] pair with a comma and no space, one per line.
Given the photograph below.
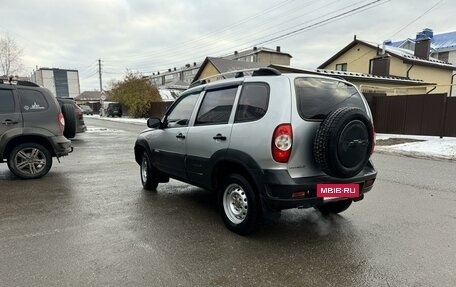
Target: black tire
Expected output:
[29,161]
[239,205]
[69,115]
[343,142]
[335,206]
[148,173]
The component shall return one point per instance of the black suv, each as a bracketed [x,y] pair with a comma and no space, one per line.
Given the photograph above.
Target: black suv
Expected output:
[265,143]
[31,129]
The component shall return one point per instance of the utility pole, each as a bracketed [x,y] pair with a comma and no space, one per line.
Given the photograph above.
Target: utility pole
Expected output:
[102,96]
[99,74]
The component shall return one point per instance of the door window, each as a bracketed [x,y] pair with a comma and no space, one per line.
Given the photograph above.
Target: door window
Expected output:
[32,101]
[216,107]
[182,111]
[253,102]
[6,102]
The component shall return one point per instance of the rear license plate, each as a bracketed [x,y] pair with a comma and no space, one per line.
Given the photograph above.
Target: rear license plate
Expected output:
[338,190]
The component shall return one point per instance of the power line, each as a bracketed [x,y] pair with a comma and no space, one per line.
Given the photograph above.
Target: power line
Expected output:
[417,18]
[185,44]
[181,60]
[341,15]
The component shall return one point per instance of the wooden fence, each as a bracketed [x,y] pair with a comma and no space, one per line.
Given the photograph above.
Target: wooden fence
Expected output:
[429,114]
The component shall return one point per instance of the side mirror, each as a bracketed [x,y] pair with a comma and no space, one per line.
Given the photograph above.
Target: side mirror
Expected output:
[154,123]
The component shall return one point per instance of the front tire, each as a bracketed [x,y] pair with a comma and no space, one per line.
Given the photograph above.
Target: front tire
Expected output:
[149,175]
[334,207]
[30,161]
[239,205]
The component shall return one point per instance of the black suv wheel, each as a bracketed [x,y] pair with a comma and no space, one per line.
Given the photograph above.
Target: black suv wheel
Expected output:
[29,161]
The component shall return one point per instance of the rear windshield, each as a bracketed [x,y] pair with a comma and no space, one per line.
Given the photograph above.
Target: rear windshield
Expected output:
[317,97]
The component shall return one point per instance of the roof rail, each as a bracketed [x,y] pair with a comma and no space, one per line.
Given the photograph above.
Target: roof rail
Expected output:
[239,74]
[11,81]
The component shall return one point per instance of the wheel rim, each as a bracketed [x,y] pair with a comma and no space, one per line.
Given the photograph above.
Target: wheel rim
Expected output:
[30,161]
[235,203]
[144,169]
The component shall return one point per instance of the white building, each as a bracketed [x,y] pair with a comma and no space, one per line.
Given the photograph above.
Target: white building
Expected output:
[62,83]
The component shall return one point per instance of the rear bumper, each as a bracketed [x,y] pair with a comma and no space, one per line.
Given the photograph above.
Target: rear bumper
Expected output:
[279,188]
[62,145]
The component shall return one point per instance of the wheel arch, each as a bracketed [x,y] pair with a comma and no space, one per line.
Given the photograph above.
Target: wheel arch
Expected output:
[27,139]
[141,146]
[234,161]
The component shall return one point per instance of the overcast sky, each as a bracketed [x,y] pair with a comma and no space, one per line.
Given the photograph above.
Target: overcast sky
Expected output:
[154,35]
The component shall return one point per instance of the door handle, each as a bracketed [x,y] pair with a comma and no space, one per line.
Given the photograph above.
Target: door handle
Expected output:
[9,122]
[220,137]
[180,136]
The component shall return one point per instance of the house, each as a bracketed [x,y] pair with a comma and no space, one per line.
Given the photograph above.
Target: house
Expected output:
[261,55]
[182,75]
[443,46]
[212,66]
[367,83]
[388,61]
[88,96]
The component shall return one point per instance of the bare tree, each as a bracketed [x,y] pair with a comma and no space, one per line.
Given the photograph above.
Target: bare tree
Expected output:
[10,56]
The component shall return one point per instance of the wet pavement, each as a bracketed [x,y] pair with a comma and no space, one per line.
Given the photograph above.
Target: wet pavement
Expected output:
[89,223]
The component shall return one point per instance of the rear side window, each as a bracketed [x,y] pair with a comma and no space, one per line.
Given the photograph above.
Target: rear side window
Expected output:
[182,111]
[318,97]
[253,102]
[216,107]
[6,102]
[32,101]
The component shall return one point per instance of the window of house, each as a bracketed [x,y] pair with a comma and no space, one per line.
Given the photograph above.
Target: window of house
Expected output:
[182,111]
[216,107]
[6,102]
[32,101]
[443,56]
[341,67]
[253,102]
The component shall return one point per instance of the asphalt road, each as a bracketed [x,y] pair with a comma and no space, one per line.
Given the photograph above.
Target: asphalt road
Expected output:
[89,223]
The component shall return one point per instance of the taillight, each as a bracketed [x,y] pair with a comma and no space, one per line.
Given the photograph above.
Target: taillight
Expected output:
[61,121]
[282,140]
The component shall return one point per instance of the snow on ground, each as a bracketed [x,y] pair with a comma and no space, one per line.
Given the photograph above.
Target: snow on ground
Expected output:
[122,119]
[427,146]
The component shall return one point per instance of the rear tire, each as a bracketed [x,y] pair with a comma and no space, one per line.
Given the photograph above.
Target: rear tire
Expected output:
[29,161]
[239,205]
[335,207]
[69,115]
[148,173]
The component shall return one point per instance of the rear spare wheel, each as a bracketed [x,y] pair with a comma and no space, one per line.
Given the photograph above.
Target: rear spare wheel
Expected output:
[343,142]
[69,115]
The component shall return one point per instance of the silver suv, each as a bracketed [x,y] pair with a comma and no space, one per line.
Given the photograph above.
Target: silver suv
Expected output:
[264,143]
[31,129]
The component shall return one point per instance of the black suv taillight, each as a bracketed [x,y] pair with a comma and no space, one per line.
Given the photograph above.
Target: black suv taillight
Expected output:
[282,140]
